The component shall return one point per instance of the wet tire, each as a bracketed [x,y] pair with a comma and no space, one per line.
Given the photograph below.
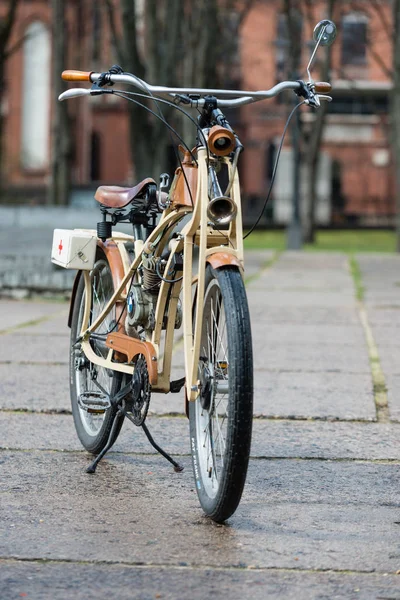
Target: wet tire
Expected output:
[221,417]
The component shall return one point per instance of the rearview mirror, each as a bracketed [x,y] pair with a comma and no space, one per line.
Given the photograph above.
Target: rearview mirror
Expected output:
[324,32]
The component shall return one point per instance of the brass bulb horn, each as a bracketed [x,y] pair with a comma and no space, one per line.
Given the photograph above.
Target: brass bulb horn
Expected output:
[221,209]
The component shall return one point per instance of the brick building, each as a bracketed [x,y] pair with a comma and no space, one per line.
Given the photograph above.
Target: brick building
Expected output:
[356,180]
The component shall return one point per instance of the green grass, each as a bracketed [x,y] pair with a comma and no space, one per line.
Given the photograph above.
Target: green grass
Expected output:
[357,278]
[340,241]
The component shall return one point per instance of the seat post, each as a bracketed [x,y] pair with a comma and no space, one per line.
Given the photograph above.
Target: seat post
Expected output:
[104,228]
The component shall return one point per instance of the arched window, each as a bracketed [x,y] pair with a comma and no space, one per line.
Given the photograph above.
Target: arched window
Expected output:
[36,97]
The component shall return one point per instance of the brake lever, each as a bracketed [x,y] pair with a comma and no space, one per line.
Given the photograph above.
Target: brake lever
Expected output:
[324,97]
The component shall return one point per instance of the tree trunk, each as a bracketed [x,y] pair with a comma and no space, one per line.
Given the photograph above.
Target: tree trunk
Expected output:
[181,44]
[294,30]
[395,110]
[312,152]
[59,186]
[6,27]
[2,122]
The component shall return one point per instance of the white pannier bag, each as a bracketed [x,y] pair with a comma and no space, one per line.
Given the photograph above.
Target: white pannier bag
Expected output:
[74,249]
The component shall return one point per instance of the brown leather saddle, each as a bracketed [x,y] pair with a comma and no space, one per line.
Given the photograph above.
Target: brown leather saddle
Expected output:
[114,196]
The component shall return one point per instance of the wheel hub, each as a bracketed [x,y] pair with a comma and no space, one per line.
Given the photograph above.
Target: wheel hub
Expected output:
[206,383]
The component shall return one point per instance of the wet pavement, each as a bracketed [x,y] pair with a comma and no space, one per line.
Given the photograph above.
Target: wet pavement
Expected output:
[320,514]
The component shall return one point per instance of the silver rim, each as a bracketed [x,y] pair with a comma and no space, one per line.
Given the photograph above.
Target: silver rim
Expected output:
[211,408]
[102,290]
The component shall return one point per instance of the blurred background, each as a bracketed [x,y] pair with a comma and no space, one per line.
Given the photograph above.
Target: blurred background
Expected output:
[338,163]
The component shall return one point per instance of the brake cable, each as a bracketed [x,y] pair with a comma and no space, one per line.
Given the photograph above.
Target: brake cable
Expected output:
[274,169]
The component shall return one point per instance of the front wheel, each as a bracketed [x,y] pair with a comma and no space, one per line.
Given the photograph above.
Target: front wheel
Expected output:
[221,416]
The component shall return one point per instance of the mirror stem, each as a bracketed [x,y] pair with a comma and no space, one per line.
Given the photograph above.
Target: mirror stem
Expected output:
[313,54]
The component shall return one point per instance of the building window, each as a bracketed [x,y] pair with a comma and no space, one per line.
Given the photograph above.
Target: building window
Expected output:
[36,97]
[354,39]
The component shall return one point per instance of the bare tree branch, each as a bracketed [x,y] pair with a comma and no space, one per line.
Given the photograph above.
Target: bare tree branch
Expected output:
[115,37]
[7,24]
[377,7]
[379,60]
[369,10]
[395,111]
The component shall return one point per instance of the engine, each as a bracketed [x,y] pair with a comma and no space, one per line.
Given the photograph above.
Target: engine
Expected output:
[142,298]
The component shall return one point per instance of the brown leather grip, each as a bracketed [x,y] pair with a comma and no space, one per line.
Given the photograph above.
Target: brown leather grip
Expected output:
[322,87]
[76,75]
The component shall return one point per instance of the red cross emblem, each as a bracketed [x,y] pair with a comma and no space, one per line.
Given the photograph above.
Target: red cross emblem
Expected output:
[60,247]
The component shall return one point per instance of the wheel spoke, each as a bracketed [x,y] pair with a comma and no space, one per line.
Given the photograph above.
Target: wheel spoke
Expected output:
[102,291]
[213,418]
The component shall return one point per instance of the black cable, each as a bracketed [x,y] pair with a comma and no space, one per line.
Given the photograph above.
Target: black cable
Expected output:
[275,169]
[161,118]
[166,280]
[151,95]
[177,107]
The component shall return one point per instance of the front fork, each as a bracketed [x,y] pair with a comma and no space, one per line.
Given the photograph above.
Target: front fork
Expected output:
[217,256]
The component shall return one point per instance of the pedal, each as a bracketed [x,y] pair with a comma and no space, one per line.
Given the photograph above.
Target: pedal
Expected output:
[177,385]
[93,402]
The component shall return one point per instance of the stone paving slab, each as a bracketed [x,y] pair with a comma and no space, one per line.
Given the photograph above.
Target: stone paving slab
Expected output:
[24,347]
[47,581]
[254,260]
[293,282]
[320,494]
[312,394]
[390,359]
[279,277]
[294,514]
[388,316]
[309,299]
[381,280]
[318,261]
[38,387]
[386,336]
[303,348]
[318,394]
[377,269]
[316,357]
[293,314]
[383,297]
[271,439]
[393,386]
[14,313]
[299,333]
[57,326]
[45,388]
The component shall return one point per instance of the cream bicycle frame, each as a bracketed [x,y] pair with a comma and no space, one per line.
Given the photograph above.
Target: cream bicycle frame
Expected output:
[223,247]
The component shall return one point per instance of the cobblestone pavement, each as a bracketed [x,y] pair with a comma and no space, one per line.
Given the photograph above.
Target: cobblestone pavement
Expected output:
[320,515]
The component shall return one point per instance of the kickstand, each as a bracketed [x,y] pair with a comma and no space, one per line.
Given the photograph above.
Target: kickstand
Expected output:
[177,467]
[111,439]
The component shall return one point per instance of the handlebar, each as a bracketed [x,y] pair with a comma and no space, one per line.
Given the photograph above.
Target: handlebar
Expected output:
[239,97]
[195,96]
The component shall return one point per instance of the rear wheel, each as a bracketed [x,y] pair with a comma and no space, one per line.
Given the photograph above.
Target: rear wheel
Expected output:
[221,416]
[93,428]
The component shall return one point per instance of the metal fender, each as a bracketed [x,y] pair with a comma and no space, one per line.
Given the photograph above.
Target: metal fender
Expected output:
[111,251]
[222,259]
